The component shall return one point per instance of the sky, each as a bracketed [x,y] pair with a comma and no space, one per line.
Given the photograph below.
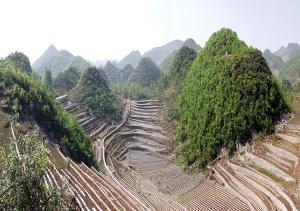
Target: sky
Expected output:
[110,29]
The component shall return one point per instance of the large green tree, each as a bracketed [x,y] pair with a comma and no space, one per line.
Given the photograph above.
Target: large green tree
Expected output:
[66,80]
[21,60]
[48,80]
[228,95]
[145,73]
[94,91]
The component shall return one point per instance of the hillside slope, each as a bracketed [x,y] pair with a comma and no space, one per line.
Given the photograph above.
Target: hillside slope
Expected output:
[229,94]
[58,61]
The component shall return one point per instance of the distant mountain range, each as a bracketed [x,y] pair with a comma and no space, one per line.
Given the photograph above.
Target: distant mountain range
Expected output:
[288,52]
[162,55]
[58,61]
[285,62]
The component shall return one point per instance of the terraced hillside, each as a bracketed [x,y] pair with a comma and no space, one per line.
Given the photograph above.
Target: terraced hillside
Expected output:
[138,157]
[135,158]
[266,174]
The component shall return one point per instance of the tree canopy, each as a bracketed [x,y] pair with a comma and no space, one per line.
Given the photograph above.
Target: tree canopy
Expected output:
[21,60]
[229,93]
[66,80]
[145,73]
[94,91]
[24,94]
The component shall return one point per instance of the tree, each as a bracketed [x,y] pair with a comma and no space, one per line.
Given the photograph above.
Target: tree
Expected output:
[29,96]
[21,61]
[94,91]
[22,185]
[48,81]
[66,80]
[146,72]
[229,94]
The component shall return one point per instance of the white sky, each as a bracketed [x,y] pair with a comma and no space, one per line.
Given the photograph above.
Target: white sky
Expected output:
[110,29]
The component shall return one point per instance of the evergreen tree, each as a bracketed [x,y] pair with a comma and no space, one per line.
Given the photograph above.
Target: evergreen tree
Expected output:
[48,81]
[146,72]
[94,91]
[229,94]
[21,60]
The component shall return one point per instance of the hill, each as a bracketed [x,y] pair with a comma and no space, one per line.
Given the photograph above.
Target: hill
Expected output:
[125,73]
[133,59]
[112,72]
[166,64]
[21,61]
[174,78]
[93,90]
[274,62]
[58,61]
[145,73]
[288,52]
[159,54]
[27,97]
[291,69]
[229,94]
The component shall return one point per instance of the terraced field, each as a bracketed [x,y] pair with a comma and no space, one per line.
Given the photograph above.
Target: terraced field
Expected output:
[266,174]
[136,160]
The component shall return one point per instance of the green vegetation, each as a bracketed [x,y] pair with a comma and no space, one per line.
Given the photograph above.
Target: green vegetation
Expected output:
[228,95]
[173,80]
[94,91]
[48,80]
[21,61]
[66,80]
[146,73]
[125,73]
[22,185]
[24,94]
[112,72]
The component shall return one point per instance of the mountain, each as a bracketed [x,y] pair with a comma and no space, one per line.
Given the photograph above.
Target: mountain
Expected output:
[275,62]
[166,64]
[58,61]
[112,72]
[228,95]
[159,54]
[291,69]
[145,73]
[191,43]
[94,91]
[133,59]
[288,52]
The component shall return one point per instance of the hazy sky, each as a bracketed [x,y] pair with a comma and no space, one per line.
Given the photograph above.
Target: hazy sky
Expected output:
[110,29]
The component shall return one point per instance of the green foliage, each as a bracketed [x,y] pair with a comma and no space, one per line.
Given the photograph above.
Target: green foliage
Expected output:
[229,93]
[48,80]
[146,73]
[138,92]
[26,95]
[125,73]
[94,91]
[21,180]
[112,73]
[66,80]
[174,79]
[21,61]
